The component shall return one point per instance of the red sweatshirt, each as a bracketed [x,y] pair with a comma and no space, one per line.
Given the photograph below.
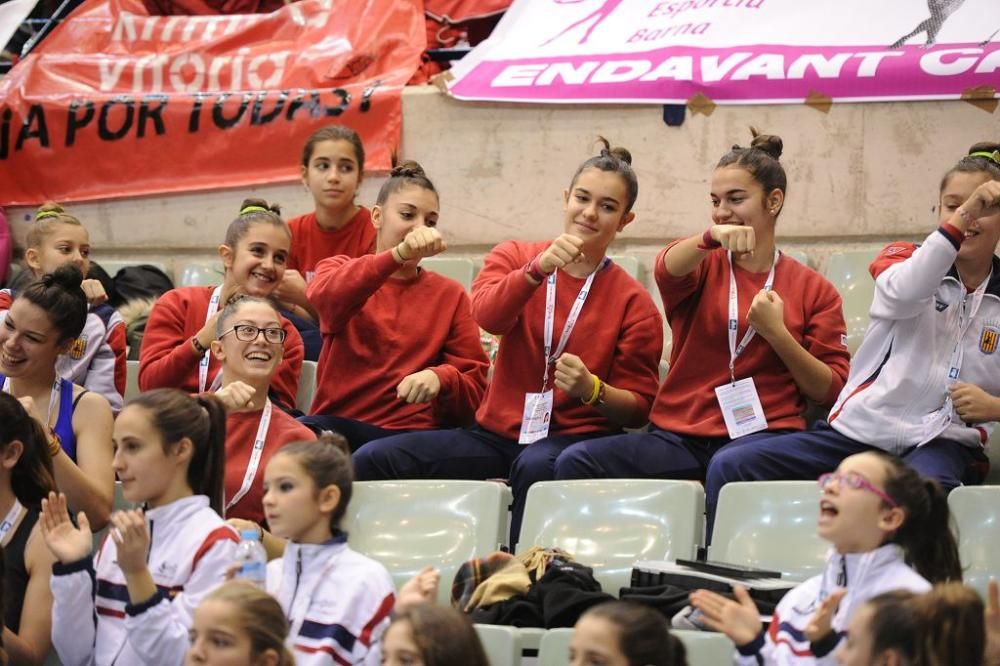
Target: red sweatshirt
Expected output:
[241,431]
[619,337]
[311,244]
[167,359]
[697,308]
[377,330]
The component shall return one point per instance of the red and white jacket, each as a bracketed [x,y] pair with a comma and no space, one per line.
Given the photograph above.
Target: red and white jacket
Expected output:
[93,622]
[338,603]
[896,396]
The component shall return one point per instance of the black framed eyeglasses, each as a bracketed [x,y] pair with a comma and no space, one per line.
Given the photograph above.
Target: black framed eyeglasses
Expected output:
[249,333]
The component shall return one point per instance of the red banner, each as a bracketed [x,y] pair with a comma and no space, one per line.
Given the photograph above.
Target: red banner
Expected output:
[119,103]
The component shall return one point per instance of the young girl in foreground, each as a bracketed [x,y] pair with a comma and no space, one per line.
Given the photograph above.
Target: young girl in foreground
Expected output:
[132,604]
[239,625]
[889,529]
[619,633]
[337,601]
[429,635]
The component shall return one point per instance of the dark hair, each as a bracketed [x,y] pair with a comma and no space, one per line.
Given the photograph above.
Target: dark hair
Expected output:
[926,534]
[334,133]
[253,211]
[444,635]
[402,175]
[643,634]
[977,163]
[760,160]
[258,614]
[234,306]
[327,461]
[60,295]
[200,418]
[32,477]
[894,624]
[47,217]
[615,160]
[953,629]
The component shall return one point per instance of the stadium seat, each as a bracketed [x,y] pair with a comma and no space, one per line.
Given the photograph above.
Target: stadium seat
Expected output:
[502,644]
[112,267]
[201,274]
[770,525]
[629,263]
[131,380]
[848,271]
[407,525]
[608,524]
[554,648]
[307,386]
[798,255]
[706,648]
[456,268]
[977,517]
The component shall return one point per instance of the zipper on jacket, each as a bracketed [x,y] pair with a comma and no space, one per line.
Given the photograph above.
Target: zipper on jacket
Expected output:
[295,590]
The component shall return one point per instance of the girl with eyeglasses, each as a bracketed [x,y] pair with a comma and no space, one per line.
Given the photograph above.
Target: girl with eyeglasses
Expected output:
[175,348]
[888,529]
[249,345]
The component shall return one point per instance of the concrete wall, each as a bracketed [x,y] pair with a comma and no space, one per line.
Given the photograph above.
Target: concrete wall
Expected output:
[858,175]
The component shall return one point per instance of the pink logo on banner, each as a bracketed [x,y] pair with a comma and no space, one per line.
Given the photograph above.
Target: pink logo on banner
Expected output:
[599,14]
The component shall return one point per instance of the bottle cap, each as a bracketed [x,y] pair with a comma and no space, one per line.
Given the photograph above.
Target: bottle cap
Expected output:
[249,535]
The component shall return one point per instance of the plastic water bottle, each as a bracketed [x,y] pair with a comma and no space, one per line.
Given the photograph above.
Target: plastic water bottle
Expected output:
[252,558]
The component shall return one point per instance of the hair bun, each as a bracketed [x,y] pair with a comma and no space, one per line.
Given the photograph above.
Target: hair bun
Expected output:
[258,206]
[407,169]
[50,207]
[768,143]
[67,276]
[617,152]
[336,440]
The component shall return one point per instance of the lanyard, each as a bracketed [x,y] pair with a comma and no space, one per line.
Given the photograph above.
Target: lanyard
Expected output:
[965,317]
[9,520]
[53,397]
[258,449]
[734,349]
[550,316]
[213,307]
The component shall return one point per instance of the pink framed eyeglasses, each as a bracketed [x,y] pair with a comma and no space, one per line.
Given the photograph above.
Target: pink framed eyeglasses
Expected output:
[855,481]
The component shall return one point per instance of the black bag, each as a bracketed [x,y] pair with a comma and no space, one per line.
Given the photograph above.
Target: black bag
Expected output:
[97,272]
[141,281]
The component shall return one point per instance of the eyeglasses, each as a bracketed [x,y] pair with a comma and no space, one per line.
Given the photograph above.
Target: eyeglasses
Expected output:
[249,333]
[855,481]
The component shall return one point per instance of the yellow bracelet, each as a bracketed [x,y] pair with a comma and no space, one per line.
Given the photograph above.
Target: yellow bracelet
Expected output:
[597,391]
[55,444]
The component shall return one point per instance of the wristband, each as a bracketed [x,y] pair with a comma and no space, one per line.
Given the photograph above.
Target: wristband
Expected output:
[535,272]
[55,443]
[198,347]
[596,392]
[707,242]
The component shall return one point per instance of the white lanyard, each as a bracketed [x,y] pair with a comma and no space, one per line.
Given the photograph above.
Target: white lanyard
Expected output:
[550,317]
[258,449]
[213,307]
[965,317]
[53,397]
[734,349]
[9,520]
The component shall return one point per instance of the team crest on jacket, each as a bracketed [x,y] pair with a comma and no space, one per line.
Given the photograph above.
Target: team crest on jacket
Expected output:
[79,346]
[988,339]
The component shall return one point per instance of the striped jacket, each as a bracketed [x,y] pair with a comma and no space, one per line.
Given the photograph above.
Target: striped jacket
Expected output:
[92,620]
[338,603]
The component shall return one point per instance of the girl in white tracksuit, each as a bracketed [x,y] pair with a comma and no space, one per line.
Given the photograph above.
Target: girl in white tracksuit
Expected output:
[888,528]
[338,601]
[132,604]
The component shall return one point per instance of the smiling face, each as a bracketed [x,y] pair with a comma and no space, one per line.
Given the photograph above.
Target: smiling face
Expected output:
[982,235]
[147,472]
[64,244]
[333,174]
[737,198]
[258,261]
[256,361]
[404,210]
[29,342]
[857,520]
[595,207]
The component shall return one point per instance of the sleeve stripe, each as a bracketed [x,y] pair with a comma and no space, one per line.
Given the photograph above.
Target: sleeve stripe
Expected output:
[381,614]
[223,533]
[954,236]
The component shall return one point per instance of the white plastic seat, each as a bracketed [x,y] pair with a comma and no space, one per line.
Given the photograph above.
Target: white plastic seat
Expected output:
[798,255]
[977,516]
[848,271]
[770,525]
[307,386]
[131,380]
[629,263]
[706,648]
[457,268]
[502,644]
[554,648]
[609,524]
[201,274]
[407,525]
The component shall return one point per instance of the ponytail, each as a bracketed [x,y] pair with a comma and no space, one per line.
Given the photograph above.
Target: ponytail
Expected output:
[202,419]
[926,534]
[32,477]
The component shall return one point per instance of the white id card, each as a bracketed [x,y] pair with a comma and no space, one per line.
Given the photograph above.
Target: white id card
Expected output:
[537,412]
[741,408]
